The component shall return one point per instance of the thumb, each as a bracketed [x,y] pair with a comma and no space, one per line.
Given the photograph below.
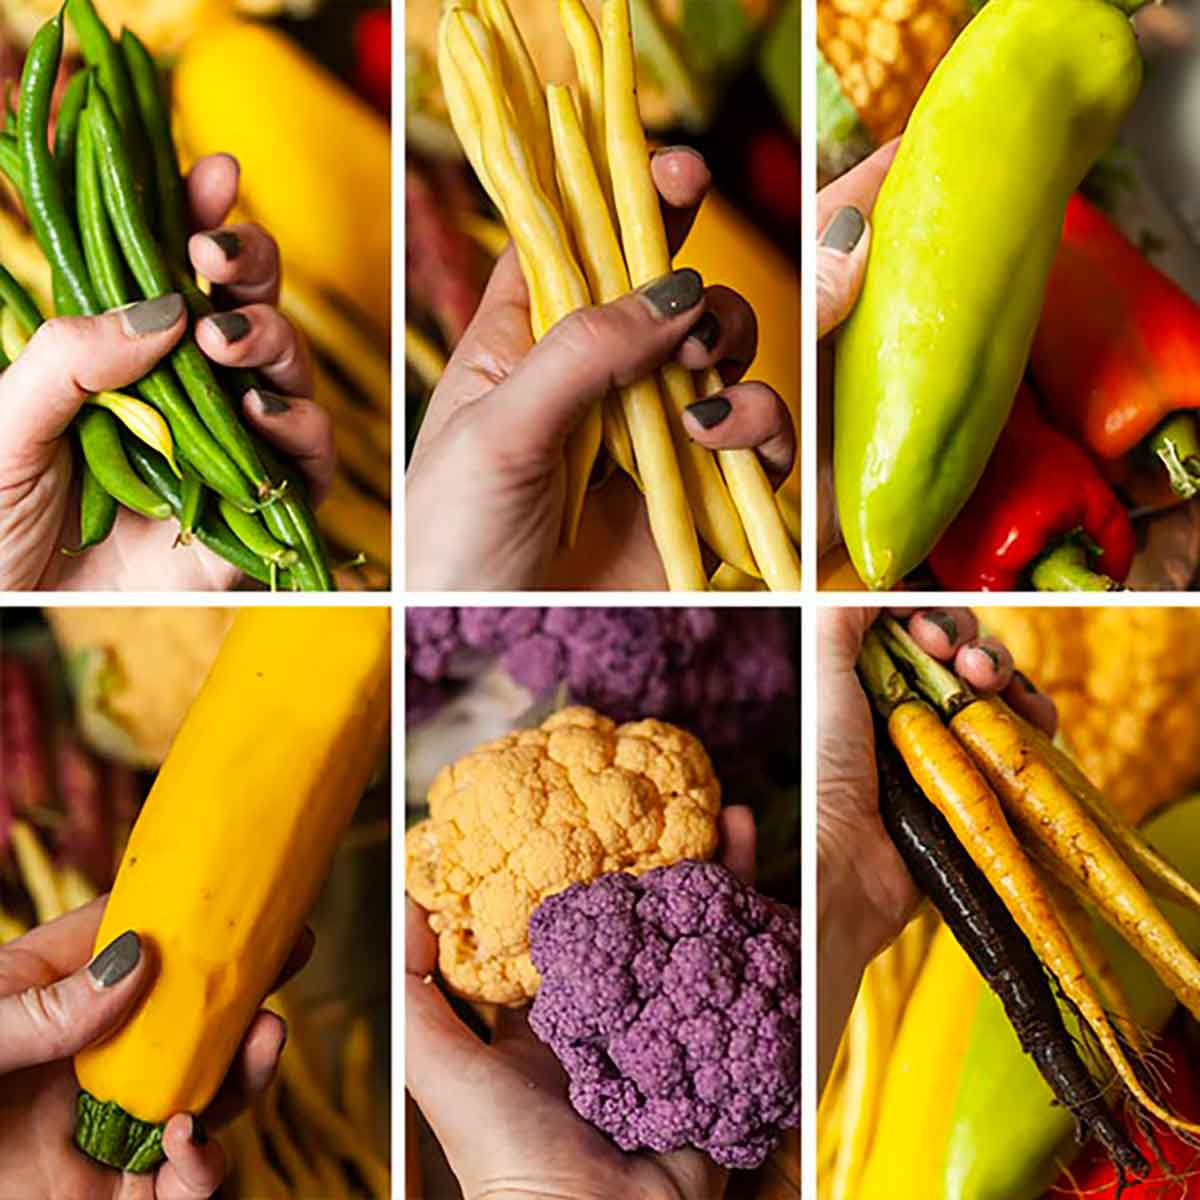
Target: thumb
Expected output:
[68,358]
[841,262]
[45,1024]
[592,351]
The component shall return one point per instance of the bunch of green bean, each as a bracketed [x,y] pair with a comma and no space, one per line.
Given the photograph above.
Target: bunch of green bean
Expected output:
[108,208]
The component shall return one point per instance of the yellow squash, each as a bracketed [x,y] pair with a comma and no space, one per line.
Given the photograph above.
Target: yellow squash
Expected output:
[316,160]
[228,856]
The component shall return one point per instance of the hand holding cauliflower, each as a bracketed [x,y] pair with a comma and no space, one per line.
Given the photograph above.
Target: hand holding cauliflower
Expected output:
[673,1003]
[526,816]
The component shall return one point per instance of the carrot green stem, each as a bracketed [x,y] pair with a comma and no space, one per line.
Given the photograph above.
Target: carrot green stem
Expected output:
[1176,445]
[1065,569]
[886,686]
[937,683]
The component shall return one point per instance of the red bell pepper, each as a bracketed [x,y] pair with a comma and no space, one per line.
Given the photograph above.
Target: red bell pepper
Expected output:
[1039,509]
[1116,356]
[373,57]
[1095,1177]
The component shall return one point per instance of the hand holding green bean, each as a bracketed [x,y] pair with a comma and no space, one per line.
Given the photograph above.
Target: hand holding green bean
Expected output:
[70,358]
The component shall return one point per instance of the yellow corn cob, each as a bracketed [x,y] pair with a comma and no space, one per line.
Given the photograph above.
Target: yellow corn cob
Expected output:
[1127,685]
[882,53]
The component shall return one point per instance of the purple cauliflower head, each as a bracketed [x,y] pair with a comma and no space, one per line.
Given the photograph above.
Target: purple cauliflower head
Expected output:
[672,1001]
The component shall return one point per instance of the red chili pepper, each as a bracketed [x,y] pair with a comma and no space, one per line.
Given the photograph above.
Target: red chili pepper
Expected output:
[1117,349]
[1039,503]
[1094,1176]
[373,57]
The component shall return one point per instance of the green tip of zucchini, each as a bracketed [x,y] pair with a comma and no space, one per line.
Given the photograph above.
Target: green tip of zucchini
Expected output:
[106,1132]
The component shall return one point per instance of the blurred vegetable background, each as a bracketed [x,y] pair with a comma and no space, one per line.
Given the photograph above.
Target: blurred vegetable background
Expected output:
[89,701]
[729,676]
[930,1086]
[720,75]
[299,91]
[1101,369]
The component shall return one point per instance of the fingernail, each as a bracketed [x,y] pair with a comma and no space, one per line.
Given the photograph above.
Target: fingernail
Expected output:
[199,1133]
[993,657]
[232,326]
[678,150]
[271,404]
[710,411]
[151,316]
[227,242]
[672,294]
[1025,682]
[845,230]
[944,621]
[116,960]
[706,331]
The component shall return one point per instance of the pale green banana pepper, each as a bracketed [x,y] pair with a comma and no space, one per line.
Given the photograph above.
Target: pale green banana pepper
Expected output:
[1007,1137]
[962,238]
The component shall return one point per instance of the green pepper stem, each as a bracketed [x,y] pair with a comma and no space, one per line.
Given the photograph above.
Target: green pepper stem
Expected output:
[1065,569]
[1176,444]
[941,686]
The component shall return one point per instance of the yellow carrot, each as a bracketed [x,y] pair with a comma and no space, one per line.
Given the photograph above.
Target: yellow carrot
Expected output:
[1047,810]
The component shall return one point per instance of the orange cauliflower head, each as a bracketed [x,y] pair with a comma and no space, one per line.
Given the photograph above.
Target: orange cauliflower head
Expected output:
[523,817]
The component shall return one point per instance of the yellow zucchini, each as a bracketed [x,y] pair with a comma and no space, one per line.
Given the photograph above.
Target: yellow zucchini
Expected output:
[228,856]
[315,158]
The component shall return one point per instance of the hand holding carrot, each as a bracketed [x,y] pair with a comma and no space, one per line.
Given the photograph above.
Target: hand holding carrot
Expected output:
[865,894]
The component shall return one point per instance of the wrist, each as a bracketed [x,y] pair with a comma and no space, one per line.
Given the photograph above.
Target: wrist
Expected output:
[851,930]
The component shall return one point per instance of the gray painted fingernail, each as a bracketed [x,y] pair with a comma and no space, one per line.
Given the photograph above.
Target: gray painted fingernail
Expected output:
[116,960]
[271,404]
[151,316]
[1025,682]
[944,621]
[845,230]
[672,294]
[710,411]
[227,242]
[992,655]
[232,326]
[706,331]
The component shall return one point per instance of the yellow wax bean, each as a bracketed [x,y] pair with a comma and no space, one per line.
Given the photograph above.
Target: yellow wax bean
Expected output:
[647,255]
[587,213]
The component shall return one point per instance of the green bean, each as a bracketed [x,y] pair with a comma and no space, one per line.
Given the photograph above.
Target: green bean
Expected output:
[69,107]
[15,296]
[292,522]
[101,52]
[251,532]
[101,441]
[97,510]
[159,388]
[211,530]
[156,121]
[42,193]
[149,269]
[191,506]
[5,361]
[10,162]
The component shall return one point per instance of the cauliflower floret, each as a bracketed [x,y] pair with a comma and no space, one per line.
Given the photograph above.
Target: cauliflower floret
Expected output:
[673,1003]
[525,816]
